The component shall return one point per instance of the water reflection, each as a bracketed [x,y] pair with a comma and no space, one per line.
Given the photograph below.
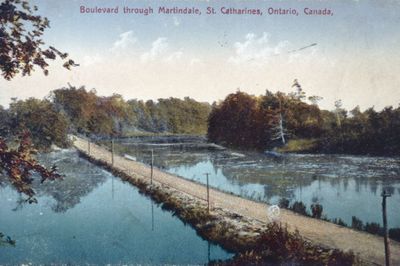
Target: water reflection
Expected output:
[344,185]
[68,192]
[91,217]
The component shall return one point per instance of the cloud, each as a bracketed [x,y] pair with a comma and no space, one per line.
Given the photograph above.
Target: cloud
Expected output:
[124,41]
[158,48]
[89,60]
[257,49]
[173,57]
[195,61]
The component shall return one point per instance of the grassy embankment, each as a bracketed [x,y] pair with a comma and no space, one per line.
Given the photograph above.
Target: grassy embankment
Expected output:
[253,243]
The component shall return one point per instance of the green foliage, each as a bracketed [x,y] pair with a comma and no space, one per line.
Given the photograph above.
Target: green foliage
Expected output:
[373,228]
[77,104]
[113,116]
[171,115]
[339,222]
[21,44]
[284,203]
[46,125]
[316,210]
[4,122]
[278,246]
[394,233]
[247,121]
[299,207]
[237,122]
[19,164]
[367,132]
[357,223]
[299,145]
[251,122]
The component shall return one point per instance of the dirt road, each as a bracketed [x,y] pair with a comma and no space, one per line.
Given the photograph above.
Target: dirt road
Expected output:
[369,247]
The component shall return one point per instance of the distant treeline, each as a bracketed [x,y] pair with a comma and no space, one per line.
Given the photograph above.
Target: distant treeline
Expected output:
[76,110]
[289,122]
[273,120]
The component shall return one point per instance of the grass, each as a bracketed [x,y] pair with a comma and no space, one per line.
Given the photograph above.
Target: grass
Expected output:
[356,223]
[299,145]
[277,246]
[253,246]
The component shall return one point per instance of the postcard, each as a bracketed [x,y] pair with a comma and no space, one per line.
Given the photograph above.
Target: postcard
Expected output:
[199,132]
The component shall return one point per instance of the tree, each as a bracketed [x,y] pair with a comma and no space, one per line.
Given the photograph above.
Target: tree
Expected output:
[79,106]
[299,94]
[315,99]
[236,121]
[19,164]
[5,122]
[21,49]
[46,125]
[339,112]
[280,130]
[21,45]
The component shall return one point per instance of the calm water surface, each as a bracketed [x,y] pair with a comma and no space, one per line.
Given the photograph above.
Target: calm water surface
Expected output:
[91,217]
[345,185]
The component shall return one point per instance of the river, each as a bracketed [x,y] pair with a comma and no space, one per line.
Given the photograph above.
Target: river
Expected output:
[345,185]
[92,217]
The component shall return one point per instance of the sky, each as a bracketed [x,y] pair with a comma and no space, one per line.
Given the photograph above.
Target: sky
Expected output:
[355,54]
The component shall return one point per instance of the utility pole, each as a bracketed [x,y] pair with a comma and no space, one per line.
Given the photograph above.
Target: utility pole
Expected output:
[152,163]
[384,195]
[112,151]
[208,193]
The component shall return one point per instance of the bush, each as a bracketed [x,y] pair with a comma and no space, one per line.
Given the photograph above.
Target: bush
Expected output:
[284,203]
[278,246]
[339,222]
[394,234]
[299,207]
[373,228]
[316,210]
[356,223]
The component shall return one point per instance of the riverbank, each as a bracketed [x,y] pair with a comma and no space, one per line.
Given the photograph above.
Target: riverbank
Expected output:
[254,216]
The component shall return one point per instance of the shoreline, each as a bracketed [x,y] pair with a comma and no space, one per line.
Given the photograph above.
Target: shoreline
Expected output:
[244,220]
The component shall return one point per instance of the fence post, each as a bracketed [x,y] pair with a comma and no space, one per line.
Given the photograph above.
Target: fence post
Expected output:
[208,194]
[384,195]
[152,163]
[112,152]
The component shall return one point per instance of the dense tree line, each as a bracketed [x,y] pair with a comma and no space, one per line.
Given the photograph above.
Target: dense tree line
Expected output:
[172,115]
[269,121]
[247,121]
[76,110]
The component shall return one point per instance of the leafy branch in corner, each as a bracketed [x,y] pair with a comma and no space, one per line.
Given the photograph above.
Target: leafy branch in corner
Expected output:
[21,44]
[19,164]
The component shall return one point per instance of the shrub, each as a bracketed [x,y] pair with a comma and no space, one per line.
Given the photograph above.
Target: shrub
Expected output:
[299,207]
[278,246]
[373,228]
[339,222]
[284,203]
[316,210]
[394,234]
[356,223]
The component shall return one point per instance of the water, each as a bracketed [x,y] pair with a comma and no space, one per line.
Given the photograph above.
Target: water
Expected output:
[92,217]
[345,185]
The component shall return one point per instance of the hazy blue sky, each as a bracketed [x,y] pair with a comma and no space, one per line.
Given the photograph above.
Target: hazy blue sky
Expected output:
[356,58]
